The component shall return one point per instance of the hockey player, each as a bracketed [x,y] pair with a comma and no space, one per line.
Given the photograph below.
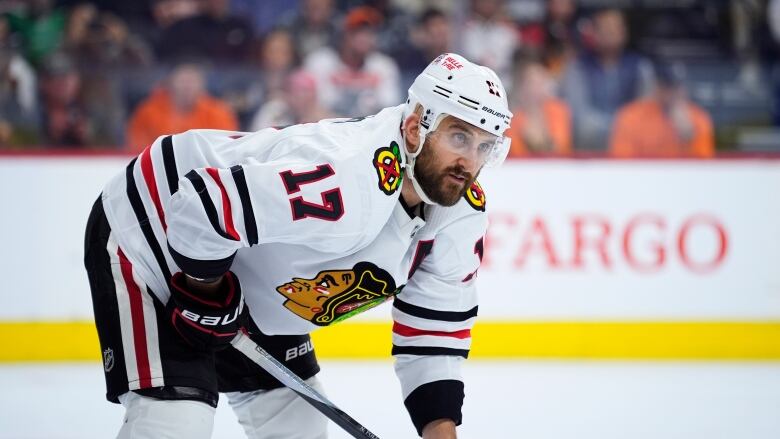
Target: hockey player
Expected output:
[283,231]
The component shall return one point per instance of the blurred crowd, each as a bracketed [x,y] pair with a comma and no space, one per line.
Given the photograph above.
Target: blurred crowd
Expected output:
[622,77]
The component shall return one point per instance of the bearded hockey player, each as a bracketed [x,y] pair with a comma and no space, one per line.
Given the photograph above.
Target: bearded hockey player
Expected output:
[283,231]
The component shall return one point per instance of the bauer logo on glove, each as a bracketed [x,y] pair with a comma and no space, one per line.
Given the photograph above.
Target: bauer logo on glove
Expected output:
[210,320]
[206,322]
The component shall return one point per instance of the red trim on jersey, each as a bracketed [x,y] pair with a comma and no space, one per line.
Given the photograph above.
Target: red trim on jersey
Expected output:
[147,169]
[137,318]
[408,331]
[226,210]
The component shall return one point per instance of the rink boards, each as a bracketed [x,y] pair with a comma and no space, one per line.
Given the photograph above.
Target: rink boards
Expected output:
[656,259]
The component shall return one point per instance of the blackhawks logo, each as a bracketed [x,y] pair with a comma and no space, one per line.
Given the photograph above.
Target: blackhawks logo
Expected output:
[475,196]
[387,161]
[335,295]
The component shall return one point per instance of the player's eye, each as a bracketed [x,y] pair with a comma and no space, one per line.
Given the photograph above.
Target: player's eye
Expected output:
[459,139]
[484,148]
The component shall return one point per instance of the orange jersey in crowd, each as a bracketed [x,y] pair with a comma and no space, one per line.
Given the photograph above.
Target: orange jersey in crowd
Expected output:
[557,118]
[157,115]
[642,128]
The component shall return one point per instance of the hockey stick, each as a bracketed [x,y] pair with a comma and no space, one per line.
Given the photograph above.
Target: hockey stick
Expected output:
[248,347]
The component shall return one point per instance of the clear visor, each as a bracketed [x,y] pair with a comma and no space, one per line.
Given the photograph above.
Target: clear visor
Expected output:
[473,143]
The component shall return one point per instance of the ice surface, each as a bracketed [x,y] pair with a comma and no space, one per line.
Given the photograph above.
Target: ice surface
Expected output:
[513,399]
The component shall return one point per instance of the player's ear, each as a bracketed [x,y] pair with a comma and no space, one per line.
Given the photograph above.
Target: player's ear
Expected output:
[411,128]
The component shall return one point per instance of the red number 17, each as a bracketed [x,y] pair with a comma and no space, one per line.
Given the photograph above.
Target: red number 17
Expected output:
[331,209]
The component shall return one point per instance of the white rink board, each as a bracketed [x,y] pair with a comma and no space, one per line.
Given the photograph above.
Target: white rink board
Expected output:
[626,215]
[657,240]
[46,203]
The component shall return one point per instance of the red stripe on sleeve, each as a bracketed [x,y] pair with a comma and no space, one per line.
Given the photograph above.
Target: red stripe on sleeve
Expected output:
[408,331]
[147,169]
[226,210]
[137,317]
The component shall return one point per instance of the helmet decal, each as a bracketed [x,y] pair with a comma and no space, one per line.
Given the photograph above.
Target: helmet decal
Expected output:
[389,170]
[493,89]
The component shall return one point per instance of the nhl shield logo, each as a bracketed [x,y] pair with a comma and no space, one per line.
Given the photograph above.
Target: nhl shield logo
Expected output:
[387,161]
[108,359]
[475,196]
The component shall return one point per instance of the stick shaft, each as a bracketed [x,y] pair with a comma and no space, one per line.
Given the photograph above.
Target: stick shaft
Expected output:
[248,347]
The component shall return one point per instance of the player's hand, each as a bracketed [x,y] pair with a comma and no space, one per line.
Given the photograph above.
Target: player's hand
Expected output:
[206,318]
[440,429]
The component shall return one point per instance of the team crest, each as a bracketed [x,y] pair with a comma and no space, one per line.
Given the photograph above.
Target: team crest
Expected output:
[108,359]
[335,295]
[475,196]
[387,161]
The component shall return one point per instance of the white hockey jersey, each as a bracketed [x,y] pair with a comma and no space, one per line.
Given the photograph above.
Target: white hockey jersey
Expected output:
[310,219]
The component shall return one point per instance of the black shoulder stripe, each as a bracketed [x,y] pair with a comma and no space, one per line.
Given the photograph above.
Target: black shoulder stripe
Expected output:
[431,314]
[246,203]
[429,350]
[143,220]
[199,268]
[208,205]
[169,160]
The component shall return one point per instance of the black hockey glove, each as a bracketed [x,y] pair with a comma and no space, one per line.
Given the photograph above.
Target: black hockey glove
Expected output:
[207,323]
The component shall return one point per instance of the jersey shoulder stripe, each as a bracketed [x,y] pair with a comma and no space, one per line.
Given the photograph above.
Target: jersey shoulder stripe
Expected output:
[208,205]
[429,350]
[169,163]
[431,314]
[239,177]
[408,331]
[143,220]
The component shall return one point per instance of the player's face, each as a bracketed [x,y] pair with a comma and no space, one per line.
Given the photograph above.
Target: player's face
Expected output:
[451,160]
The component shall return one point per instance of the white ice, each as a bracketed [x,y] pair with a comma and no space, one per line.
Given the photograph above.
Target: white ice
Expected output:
[512,399]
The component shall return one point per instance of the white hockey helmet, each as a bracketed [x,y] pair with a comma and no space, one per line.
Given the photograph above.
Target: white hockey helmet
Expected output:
[452,85]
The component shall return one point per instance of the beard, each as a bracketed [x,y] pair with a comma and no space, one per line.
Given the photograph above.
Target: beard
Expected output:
[435,183]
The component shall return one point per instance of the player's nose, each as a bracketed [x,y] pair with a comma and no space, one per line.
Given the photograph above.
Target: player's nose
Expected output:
[469,160]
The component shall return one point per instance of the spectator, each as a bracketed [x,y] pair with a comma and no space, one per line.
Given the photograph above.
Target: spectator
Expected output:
[556,37]
[559,23]
[541,124]
[603,79]
[166,13]
[212,35]
[297,104]
[181,104]
[65,118]
[430,38]
[396,24]
[487,37]
[313,26]
[665,124]
[102,47]
[773,22]
[101,40]
[265,15]
[40,25]
[18,99]
[247,89]
[277,60]
[356,80]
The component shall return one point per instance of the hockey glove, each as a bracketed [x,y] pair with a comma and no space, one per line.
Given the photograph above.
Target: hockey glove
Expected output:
[207,323]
